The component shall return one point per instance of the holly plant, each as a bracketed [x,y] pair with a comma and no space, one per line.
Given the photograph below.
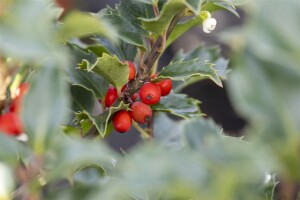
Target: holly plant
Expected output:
[69,79]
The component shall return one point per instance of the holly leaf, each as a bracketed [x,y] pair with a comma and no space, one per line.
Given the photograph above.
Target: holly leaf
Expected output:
[160,23]
[214,5]
[81,51]
[126,31]
[20,37]
[110,68]
[80,24]
[171,8]
[45,107]
[101,121]
[182,70]
[89,81]
[179,105]
[210,54]
[82,99]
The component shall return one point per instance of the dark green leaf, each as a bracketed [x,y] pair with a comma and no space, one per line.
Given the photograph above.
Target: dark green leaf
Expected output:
[90,81]
[82,99]
[182,70]
[212,55]
[178,104]
[214,5]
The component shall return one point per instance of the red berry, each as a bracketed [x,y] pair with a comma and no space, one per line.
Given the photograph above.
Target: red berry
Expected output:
[122,121]
[150,93]
[165,86]
[141,112]
[132,70]
[134,96]
[111,96]
[10,124]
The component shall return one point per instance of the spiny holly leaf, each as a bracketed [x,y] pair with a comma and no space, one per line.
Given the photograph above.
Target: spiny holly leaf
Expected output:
[182,70]
[82,51]
[179,105]
[110,68]
[101,121]
[80,24]
[171,8]
[89,81]
[211,54]
[126,31]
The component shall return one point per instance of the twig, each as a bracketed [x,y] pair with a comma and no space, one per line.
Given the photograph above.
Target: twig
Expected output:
[141,130]
[152,57]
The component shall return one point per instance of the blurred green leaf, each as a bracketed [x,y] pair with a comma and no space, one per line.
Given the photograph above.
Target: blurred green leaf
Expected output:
[27,30]
[79,24]
[45,106]
[182,70]
[110,68]
[12,151]
[265,85]
[74,154]
[179,105]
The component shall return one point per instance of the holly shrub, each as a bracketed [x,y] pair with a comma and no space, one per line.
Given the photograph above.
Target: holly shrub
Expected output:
[69,79]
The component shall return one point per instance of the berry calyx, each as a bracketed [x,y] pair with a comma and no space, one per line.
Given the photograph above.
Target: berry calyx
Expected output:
[111,96]
[10,124]
[141,112]
[122,121]
[132,70]
[150,93]
[165,86]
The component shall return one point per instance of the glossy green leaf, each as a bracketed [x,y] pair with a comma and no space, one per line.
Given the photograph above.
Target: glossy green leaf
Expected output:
[182,70]
[45,107]
[82,99]
[126,31]
[110,68]
[214,5]
[80,24]
[89,81]
[179,105]
[160,23]
[102,121]
[210,54]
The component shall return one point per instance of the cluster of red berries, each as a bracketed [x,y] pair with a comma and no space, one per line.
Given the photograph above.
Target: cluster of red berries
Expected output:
[149,94]
[10,122]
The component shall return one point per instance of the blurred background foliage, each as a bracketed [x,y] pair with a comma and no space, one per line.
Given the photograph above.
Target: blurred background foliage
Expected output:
[188,159]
